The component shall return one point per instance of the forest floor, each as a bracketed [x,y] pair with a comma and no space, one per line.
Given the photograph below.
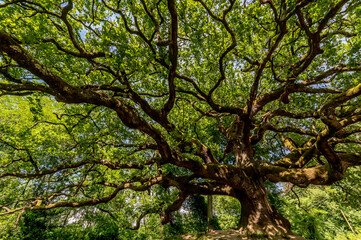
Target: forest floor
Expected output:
[231,235]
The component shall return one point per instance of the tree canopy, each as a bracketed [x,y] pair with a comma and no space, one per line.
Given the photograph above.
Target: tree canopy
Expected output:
[101,99]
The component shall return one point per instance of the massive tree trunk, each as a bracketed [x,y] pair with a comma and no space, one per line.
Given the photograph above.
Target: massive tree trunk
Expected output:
[258,217]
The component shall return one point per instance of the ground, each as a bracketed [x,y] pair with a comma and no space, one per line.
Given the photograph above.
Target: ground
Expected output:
[232,235]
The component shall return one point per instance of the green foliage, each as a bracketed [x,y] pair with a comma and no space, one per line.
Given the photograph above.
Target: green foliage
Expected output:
[197,217]
[175,226]
[33,225]
[315,212]
[349,235]
[192,218]
[228,211]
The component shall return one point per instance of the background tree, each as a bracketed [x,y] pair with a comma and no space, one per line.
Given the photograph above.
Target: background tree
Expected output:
[176,98]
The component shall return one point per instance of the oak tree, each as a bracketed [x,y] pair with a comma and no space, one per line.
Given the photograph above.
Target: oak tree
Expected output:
[104,98]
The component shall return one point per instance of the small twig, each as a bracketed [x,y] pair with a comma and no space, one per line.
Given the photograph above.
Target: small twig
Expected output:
[299,202]
[344,216]
[18,218]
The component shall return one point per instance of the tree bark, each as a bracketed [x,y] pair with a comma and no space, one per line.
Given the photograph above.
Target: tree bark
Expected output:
[258,217]
[209,211]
